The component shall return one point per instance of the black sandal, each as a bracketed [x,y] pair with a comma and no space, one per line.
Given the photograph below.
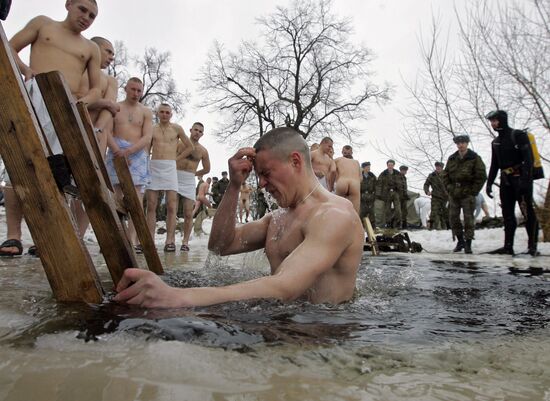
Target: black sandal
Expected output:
[12,243]
[33,251]
[170,248]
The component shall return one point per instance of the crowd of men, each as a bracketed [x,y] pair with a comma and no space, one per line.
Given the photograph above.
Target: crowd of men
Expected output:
[311,187]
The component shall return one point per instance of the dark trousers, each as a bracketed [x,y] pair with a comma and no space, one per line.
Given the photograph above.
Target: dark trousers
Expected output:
[510,193]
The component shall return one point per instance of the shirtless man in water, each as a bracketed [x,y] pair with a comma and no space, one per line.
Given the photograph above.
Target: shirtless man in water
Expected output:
[244,202]
[348,177]
[164,176]
[187,165]
[314,242]
[131,138]
[55,46]
[323,165]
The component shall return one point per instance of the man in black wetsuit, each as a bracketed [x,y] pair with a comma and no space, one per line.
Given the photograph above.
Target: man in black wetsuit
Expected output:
[511,153]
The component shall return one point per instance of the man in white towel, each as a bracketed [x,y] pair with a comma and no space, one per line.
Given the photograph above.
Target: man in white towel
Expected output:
[187,165]
[164,177]
[323,164]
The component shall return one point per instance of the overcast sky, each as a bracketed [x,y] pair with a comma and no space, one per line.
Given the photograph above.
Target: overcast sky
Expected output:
[188,28]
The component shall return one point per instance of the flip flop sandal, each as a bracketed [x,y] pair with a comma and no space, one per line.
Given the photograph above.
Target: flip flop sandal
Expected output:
[138,249]
[184,248]
[12,243]
[33,251]
[170,248]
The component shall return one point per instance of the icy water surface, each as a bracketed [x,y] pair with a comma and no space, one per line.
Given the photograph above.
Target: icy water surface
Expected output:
[424,327]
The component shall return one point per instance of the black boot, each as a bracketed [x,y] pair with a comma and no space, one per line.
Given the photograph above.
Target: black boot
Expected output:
[460,244]
[505,250]
[468,246]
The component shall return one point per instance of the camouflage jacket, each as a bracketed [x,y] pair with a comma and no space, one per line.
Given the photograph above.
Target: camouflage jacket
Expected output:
[223,183]
[404,187]
[368,187]
[438,189]
[465,176]
[388,182]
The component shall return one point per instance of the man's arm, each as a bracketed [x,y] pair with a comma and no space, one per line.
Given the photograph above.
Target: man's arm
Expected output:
[108,105]
[27,36]
[331,176]
[188,145]
[146,133]
[205,161]
[93,67]
[225,238]
[318,253]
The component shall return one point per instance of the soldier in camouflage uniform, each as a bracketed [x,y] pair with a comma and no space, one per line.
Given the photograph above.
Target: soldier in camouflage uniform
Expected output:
[215,191]
[463,178]
[388,189]
[368,194]
[439,213]
[404,196]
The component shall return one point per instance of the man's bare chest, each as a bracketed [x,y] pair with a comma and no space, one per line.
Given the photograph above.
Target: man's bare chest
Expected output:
[73,48]
[284,234]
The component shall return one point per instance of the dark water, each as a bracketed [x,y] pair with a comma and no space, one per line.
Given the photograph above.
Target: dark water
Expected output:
[399,300]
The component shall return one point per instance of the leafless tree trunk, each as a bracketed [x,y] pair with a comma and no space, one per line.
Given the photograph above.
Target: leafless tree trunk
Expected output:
[303,72]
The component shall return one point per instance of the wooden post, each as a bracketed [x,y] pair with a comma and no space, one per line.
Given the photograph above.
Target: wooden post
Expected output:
[372,237]
[67,264]
[97,199]
[135,209]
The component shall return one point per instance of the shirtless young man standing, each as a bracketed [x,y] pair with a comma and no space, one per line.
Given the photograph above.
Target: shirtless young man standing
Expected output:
[55,46]
[323,165]
[348,177]
[131,138]
[309,260]
[187,171]
[202,193]
[164,176]
[244,201]
[101,114]
[104,110]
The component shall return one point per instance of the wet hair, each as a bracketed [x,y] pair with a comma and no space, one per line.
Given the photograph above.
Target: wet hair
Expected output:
[326,139]
[282,142]
[135,79]
[100,40]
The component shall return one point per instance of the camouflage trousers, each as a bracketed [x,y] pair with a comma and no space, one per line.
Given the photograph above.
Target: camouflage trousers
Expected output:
[367,210]
[439,214]
[468,206]
[403,211]
[392,199]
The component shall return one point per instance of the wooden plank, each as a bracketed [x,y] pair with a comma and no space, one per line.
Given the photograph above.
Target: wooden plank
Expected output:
[67,264]
[85,117]
[372,237]
[135,209]
[97,199]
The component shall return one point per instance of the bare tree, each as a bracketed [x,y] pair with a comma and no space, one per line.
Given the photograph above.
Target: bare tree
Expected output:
[153,68]
[304,73]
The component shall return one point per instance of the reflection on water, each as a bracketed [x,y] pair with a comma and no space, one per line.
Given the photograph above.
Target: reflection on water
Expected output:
[419,327]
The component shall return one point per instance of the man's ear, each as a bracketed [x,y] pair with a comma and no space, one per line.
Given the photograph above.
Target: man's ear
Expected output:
[296,159]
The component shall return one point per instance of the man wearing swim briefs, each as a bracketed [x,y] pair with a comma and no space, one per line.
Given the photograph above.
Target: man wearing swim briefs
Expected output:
[310,259]
[348,181]
[163,172]
[55,46]
[244,202]
[131,138]
[187,167]
[323,165]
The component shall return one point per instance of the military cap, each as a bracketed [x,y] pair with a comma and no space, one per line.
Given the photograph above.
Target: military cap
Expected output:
[365,164]
[439,164]
[224,172]
[461,138]
[390,161]
[403,167]
[496,114]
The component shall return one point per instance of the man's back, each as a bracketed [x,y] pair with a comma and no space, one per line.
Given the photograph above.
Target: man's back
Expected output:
[348,168]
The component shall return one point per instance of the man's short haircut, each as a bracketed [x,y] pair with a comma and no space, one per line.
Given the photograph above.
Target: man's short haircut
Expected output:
[135,79]
[91,1]
[327,139]
[100,40]
[165,105]
[199,123]
[347,147]
[281,142]
[224,172]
